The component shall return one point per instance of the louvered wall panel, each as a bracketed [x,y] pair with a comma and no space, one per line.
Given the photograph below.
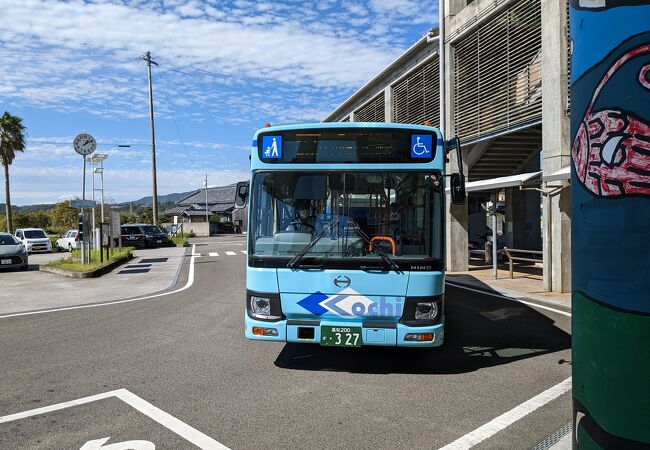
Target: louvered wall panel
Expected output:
[416,97]
[374,111]
[497,78]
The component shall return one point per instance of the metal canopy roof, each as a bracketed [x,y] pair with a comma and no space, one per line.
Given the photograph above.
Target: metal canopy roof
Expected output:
[494,184]
[560,175]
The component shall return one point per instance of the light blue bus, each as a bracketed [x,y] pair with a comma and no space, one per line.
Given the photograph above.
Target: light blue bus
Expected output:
[346,234]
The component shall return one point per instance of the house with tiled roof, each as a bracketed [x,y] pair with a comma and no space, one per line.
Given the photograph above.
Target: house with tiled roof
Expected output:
[218,200]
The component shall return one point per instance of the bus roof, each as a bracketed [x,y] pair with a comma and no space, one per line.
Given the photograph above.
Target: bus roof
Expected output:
[324,125]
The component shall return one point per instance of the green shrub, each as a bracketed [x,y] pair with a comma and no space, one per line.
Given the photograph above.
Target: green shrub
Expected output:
[73,261]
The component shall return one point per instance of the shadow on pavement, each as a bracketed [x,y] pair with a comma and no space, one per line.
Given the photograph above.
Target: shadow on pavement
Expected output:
[481,331]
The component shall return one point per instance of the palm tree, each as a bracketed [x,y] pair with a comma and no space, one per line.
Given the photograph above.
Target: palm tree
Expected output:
[12,140]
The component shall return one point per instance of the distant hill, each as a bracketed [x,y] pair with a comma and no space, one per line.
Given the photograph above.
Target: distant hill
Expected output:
[27,208]
[144,201]
[169,198]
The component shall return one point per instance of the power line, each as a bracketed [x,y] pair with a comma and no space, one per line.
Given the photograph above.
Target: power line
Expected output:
[169,104]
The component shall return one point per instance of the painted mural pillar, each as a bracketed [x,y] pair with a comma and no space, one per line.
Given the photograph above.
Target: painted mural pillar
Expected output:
[610,136]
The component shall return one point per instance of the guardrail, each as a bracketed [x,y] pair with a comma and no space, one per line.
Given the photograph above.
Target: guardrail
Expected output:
[511,258]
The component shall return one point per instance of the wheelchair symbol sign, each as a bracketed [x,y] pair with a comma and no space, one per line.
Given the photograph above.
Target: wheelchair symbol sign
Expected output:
[272,147]
[421,146]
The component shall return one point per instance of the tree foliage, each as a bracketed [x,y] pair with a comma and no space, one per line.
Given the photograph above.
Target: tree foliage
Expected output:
[128,217]
[12,140]
[63,217]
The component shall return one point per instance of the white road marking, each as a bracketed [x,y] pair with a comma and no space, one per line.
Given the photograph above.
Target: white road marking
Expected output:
[506,419]
[190,282]
[231,253]
[213,254]
[496,294]
[98,444]
[165,419]
[244,252]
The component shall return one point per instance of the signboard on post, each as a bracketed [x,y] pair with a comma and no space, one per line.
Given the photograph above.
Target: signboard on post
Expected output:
[116,220]
[82,204]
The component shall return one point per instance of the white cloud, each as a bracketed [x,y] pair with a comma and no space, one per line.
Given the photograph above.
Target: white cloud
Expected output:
[86,50]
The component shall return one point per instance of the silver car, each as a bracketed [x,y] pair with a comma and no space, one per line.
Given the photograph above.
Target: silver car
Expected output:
[13,254]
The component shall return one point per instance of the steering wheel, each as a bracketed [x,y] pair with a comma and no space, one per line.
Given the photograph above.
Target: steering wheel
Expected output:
[296,224]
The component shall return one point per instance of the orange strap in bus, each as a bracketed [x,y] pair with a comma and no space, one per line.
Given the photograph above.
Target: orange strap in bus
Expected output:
[384,238]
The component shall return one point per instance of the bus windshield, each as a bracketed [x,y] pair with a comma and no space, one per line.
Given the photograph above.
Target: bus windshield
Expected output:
[399,212]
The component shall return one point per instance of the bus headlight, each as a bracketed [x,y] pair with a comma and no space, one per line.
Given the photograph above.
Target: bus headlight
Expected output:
[263,306]
[423,311]
[426,311]
[260,305]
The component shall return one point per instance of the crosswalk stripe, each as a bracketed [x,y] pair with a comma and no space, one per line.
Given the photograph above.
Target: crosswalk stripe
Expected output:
[230,253]
[213,254]
[244,252]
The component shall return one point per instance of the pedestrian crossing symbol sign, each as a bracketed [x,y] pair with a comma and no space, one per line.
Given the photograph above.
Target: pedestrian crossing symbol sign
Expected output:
[421,146]
[272,147]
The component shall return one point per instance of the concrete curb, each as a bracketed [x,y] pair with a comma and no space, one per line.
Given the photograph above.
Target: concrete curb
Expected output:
[511,294]
[92,274]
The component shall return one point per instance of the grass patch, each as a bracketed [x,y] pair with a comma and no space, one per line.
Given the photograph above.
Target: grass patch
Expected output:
[178,240]
[73,262]
[182,238]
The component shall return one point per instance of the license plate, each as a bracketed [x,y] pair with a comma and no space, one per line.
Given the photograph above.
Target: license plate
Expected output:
[158,241]
[5,261]
[340,336]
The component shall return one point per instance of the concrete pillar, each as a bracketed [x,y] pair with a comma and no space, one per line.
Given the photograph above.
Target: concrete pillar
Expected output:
[555,145]
[352,116]
[511,219]
[388,104]
[457,226]
[453,7]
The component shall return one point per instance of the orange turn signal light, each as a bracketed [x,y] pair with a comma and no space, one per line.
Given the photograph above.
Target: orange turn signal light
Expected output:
[260,331]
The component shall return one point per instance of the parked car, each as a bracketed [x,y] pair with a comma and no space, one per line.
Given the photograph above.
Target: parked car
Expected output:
[142,235]
[13,254]
[34,240]
[69,241]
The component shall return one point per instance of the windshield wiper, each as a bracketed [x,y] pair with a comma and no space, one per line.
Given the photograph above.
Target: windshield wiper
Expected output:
[296,259]
[387,259]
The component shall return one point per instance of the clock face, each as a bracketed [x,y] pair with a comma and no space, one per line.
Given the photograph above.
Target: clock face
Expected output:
[84,144]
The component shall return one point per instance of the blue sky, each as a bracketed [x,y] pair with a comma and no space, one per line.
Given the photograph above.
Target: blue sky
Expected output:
[225,68]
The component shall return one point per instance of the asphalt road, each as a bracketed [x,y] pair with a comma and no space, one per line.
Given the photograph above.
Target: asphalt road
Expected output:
[191,376]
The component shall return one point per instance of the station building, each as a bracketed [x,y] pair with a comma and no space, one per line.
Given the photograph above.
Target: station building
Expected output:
[496,74]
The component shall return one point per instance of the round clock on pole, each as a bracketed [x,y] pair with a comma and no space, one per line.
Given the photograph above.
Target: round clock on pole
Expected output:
[84,144]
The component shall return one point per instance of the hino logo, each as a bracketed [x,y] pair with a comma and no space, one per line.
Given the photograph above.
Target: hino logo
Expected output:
[342,281]
[421,267]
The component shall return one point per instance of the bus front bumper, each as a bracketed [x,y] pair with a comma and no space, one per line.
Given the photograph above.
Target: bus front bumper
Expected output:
[309,332]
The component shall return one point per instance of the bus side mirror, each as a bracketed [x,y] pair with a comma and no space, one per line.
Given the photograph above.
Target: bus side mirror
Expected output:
[241,194]
[456,180]
[457,188]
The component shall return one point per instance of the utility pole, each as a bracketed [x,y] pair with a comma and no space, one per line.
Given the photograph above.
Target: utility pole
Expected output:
[147,57]
[207,220]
